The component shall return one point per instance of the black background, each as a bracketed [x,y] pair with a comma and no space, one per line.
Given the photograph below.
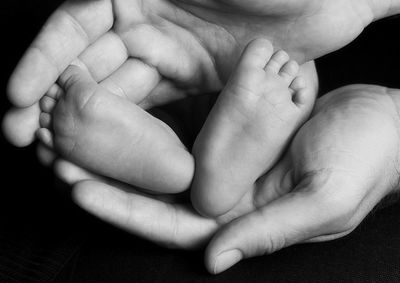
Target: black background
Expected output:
[44,237]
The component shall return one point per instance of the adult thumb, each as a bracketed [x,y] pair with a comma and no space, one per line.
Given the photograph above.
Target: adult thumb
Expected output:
[294,218]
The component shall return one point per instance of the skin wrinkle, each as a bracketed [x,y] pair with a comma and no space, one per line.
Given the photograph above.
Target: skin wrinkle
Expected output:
[329,237]
[50,59]
[77,26]
[118,89]
[239,89]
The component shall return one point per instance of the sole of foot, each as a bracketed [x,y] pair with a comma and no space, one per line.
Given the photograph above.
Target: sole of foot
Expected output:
[257,113]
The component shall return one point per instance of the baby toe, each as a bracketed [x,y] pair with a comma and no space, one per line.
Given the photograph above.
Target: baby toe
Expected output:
[47,104]
[55,91]
[45,120]
[300,94]
[289,71]
[276,62]
[298,83]
[257,53]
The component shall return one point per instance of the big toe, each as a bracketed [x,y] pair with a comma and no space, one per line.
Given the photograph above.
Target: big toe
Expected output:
[20,124]
[257,53]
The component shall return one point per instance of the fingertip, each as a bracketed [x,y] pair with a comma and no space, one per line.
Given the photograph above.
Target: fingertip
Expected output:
[226,260]
[217,246]
[45,155]
[14,93]
[19,125]
[220,256]
[84,194]
[17,93]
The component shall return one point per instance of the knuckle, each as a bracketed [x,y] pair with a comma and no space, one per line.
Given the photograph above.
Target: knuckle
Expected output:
[271,244]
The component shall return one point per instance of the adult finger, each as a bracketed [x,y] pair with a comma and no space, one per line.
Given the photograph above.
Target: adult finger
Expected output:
[142,85]
[20,124]
[167,224]
[45,155]
[70,29]
[104,56]
[71,173]
[134,80]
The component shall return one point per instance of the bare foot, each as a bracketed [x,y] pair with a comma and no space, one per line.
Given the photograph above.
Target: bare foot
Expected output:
[104,133]
[262,106]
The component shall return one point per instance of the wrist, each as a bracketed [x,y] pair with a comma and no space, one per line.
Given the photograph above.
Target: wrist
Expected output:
[383,8]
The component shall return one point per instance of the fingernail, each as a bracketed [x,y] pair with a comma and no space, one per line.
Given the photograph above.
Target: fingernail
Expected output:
[226,260]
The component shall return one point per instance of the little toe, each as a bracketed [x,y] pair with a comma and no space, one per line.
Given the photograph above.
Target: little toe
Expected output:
[45,120]
[276,62]
[47,104]
[289,71]
[300,93]
[297,84]
[46,137]
[257,53]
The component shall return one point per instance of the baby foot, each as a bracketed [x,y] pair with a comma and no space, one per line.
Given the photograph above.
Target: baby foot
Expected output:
[261,107]
[110,136]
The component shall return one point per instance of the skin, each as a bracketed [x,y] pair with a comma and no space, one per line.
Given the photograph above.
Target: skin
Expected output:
[45,61]
[255,117]
[156,51]
[323,187]
[96,129]
[89,126]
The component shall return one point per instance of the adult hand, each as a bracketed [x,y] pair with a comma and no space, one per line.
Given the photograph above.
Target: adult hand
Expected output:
[339,166]
[153,52]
